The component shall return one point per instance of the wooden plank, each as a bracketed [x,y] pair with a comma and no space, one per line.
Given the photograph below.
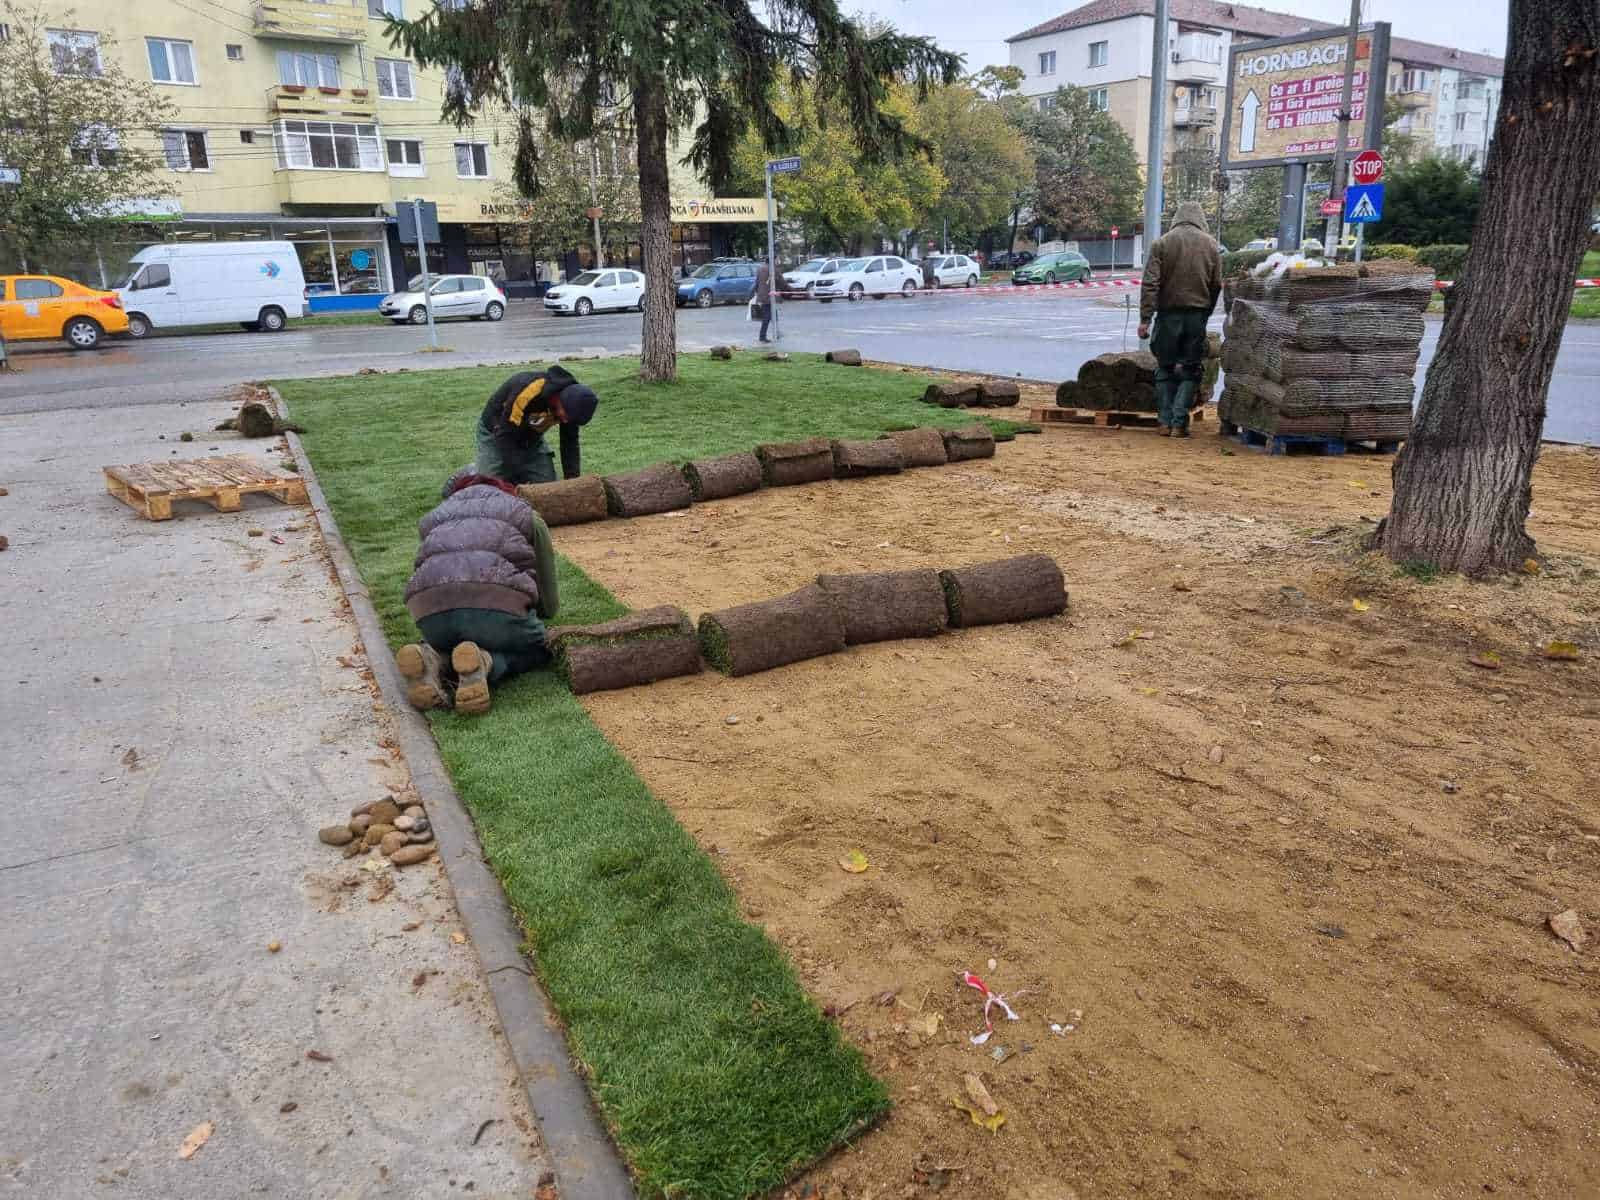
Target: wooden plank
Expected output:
[150,488]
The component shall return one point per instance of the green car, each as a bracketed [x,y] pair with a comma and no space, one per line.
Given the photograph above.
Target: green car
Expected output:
[1065,267]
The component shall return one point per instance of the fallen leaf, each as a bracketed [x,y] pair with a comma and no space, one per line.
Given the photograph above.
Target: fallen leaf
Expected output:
[130,759]
[1530,566]
[1562,651]
[855,862]
[927,1025]
[1127,641]
[458,938]
[1360,605]
[1565,925]
[198,1136]
[1488,660]
[1359,484]
[318,1056]
[992,1124]
[979,1094]
[1150,691]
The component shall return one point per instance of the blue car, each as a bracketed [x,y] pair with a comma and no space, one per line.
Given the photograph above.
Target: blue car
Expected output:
[719,283]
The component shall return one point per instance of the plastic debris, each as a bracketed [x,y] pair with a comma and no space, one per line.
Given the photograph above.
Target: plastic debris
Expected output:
[989,1000]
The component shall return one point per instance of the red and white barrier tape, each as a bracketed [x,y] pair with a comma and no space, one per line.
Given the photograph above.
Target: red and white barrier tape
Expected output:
[1446,284]
[989,1000]
[987,289]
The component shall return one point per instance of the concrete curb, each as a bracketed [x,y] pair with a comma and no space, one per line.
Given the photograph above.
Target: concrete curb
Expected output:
[586,1162]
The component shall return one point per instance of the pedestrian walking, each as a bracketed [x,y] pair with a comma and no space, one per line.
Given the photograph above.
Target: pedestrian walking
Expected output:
[1182,280]
[763,299]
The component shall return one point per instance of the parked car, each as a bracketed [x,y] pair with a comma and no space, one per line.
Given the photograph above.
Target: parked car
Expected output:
[259,285]
[951,270]
[730,282]
[1063,267]
[878,276]
[1010,260]
[37,307]
[595,290]
[471,296]
[1261,244]
[803,277]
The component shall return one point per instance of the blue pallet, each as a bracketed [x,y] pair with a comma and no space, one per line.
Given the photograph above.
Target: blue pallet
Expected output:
[1281,443]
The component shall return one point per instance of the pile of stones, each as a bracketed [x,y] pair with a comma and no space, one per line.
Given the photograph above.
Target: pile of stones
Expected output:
[402,835]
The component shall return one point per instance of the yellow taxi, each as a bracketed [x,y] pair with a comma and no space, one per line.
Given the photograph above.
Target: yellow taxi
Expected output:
[46,306]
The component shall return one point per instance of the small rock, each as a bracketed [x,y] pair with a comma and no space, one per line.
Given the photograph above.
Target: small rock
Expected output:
[375,833]
[415,811]
[392,842]
[288,1106]
[407,855]
[404,823]
[353,849]
[419,839]
[362,809]
[5,491]
[1215,756]
[1328,930]
[1076,1014]
[1566,926]
[1286,821]
[255,533]
[274,947]
[5,542]
[420,825]
[1315,760]
[1449,787]
[360,825]
[335,835]
[730,720]
[993,964]
[384,812]
[1500,698]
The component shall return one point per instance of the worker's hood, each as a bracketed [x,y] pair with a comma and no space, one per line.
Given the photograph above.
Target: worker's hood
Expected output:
[1190,213]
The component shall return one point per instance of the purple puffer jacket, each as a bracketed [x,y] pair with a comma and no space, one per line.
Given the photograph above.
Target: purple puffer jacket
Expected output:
[477,552]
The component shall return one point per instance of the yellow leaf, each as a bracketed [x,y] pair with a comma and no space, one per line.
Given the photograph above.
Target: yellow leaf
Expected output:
[992,1124]
[458,938]
[1487,659]
[198,1136]
[1150,691]
[1530,566]
[1358,484]
[1562,651]
[1360,605]
[855,862]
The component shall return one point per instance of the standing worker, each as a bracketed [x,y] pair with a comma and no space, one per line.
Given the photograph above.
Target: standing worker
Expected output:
[763,299]
[1182,280]
[510,437]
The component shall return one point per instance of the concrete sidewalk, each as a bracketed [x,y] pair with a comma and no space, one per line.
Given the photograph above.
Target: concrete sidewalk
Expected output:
[184,706]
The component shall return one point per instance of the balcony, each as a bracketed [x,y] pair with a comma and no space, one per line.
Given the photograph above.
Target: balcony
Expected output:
[336,21]
[1411,99]
[291,100]
[297,186]
[1196,58]
[1191,116]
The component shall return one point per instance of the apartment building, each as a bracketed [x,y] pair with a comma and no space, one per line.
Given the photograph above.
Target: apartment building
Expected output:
[1104,46]
[295,120]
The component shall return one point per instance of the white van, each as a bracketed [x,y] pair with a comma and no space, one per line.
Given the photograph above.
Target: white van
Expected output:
[258,284]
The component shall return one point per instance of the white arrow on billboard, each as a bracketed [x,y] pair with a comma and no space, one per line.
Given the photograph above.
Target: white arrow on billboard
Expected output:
[1248,108]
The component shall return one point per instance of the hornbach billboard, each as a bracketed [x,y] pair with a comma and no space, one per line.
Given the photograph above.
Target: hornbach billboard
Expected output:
[1284,97]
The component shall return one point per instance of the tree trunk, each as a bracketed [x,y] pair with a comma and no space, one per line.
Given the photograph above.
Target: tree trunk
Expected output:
[1463,483]
[658,361]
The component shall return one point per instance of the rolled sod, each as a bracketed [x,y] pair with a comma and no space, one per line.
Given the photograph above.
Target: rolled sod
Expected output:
[852,459]
[919,447]
[719,478]
[656,489]
[642,647]
[975,441]
[951,395]
[785,463]
[845,358]
[999,393]
[570,502]
[723,352]
[772,633]
[1012,589]
[882,606]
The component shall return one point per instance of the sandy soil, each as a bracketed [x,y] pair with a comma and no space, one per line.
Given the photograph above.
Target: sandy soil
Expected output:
[1284,866]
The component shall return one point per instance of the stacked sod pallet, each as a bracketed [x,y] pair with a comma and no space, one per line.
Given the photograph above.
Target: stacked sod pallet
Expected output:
[1126,382]
[1325,352]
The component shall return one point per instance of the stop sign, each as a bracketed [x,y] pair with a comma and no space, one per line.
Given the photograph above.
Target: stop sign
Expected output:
[1367,167]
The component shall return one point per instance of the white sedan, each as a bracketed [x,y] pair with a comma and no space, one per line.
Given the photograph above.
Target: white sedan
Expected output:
[879,276]
[953,270]
[803,277]
[471,296]
[595,290]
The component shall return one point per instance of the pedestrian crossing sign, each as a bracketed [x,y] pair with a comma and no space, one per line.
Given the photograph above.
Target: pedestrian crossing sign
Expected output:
[1363,204]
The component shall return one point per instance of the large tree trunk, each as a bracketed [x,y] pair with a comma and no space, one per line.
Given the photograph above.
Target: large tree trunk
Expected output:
[1463,483]
[658,361]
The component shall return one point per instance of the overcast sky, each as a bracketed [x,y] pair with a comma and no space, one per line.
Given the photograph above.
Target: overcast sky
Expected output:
[979,30]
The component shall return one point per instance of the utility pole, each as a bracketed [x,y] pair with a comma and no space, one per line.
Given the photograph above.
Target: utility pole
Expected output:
[427,281]
[594,204]
[774,285]
[1336,186]
[1156,148]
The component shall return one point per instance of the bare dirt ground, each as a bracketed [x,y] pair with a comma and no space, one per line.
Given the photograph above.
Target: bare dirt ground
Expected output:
[1284,865]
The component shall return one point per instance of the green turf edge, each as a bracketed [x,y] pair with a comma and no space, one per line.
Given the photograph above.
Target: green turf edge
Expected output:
[714,644]
[952,597]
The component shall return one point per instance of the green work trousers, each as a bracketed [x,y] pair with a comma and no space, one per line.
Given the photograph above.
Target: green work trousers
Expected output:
[515,643]
[1178,342]
[533,463]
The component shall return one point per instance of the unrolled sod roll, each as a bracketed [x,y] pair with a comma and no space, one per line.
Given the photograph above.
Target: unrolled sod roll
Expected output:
[718,478]
[855,458]
[975,441]
[642,647]
[999,393]
[656,489]
[1012,589]
[845,358]
[919,447]
[881,606]
[785,463]
[772,633]
[570,502]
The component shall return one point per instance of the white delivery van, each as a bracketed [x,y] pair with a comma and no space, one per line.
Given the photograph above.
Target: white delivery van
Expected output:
[257,284]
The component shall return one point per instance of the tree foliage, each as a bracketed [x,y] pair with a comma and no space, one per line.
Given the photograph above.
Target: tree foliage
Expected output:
[597,172]
[1250,210]
[982,157]
[1432,201]
[1086,175]
[79,128]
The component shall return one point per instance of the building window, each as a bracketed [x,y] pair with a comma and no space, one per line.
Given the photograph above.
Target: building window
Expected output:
[327,146]
[1047,63]
[170,61]
[235,53]
[1046,103]
[1100,100]
[74,51]
[1413,81]
[394,79]
[304,69]
[386,8]
[1099,53]
[405,158]
[472,160]
[95,146]
[247,136]
[186,149]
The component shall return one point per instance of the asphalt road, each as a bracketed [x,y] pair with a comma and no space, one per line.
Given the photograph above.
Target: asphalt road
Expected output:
[1037,335]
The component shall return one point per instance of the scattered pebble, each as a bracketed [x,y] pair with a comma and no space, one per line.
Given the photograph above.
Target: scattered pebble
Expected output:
[360,825]
[993,964]
[1215,756]
[404,823]
[730,720]
[1500,698]
[391,842]
[414,811]
[407,855]
[288,1106]
[335,835]
[1449,787]
[255,532]
[274,947]
[1315,760]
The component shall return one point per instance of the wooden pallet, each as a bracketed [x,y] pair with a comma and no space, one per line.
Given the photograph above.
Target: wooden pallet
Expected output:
[150,488]
[1284,443]
[1104,419]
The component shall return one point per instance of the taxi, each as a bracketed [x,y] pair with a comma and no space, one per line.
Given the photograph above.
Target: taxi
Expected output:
[34,307]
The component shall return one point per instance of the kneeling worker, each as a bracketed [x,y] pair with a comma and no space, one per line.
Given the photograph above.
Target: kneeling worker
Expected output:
[484,578]
[510,439]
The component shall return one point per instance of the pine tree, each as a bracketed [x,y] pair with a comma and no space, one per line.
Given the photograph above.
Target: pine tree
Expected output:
[710,67]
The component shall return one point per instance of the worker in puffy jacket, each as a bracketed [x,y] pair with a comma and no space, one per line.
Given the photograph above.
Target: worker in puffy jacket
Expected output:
[1182,280]
[484,583]
[510,437]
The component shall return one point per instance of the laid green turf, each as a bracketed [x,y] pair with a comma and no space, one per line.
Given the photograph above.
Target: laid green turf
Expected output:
[716,1071]
[1590,267]
[1586,303]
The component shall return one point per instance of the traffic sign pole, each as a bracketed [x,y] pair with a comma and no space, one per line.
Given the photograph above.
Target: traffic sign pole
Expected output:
[775,166]
[427,283]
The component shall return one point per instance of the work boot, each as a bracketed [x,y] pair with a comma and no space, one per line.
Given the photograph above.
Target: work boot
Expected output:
[423,669]
[1166,431]
[472,667]
[1181,431]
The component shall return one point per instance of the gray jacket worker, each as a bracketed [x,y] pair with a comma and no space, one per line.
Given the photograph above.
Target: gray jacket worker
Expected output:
[1182,280]
[510,435]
